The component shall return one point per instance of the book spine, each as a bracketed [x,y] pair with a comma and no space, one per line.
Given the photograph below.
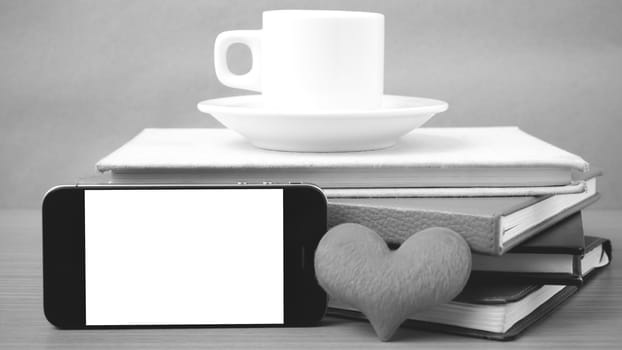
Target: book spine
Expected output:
[395,225]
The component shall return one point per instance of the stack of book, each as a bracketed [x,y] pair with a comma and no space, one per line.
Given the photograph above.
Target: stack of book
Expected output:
[516,199]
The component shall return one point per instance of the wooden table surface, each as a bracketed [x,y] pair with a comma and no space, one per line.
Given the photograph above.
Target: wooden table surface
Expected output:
[591,318]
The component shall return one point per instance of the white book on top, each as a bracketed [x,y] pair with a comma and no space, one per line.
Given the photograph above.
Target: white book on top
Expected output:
[482,161]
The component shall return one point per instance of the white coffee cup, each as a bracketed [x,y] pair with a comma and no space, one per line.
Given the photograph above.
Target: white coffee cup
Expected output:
[308,59]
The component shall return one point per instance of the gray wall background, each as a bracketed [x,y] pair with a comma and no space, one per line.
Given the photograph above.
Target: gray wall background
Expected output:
[79,78]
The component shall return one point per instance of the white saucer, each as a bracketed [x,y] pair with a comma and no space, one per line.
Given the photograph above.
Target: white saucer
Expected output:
[326,130]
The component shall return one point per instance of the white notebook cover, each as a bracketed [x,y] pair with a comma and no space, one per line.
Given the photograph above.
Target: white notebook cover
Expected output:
[430,157]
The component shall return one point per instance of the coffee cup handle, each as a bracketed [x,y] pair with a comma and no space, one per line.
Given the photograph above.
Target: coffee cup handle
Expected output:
[252,79]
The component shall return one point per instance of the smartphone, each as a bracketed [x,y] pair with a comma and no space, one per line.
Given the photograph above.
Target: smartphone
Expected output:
[171,256]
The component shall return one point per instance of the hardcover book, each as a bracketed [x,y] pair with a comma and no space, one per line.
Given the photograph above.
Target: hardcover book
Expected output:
[491,225]
[559,255]
[497,310]
[504,159]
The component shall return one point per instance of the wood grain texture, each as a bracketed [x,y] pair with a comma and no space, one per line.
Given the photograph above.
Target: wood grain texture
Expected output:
[592,318]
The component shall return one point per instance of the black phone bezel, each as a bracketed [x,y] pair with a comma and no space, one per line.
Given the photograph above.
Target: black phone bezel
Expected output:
[304,224]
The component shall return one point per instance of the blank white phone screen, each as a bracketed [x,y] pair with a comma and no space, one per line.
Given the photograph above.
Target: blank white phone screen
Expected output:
[184,256]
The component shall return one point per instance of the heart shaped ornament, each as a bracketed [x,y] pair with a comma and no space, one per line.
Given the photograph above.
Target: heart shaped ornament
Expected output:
[354,265]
